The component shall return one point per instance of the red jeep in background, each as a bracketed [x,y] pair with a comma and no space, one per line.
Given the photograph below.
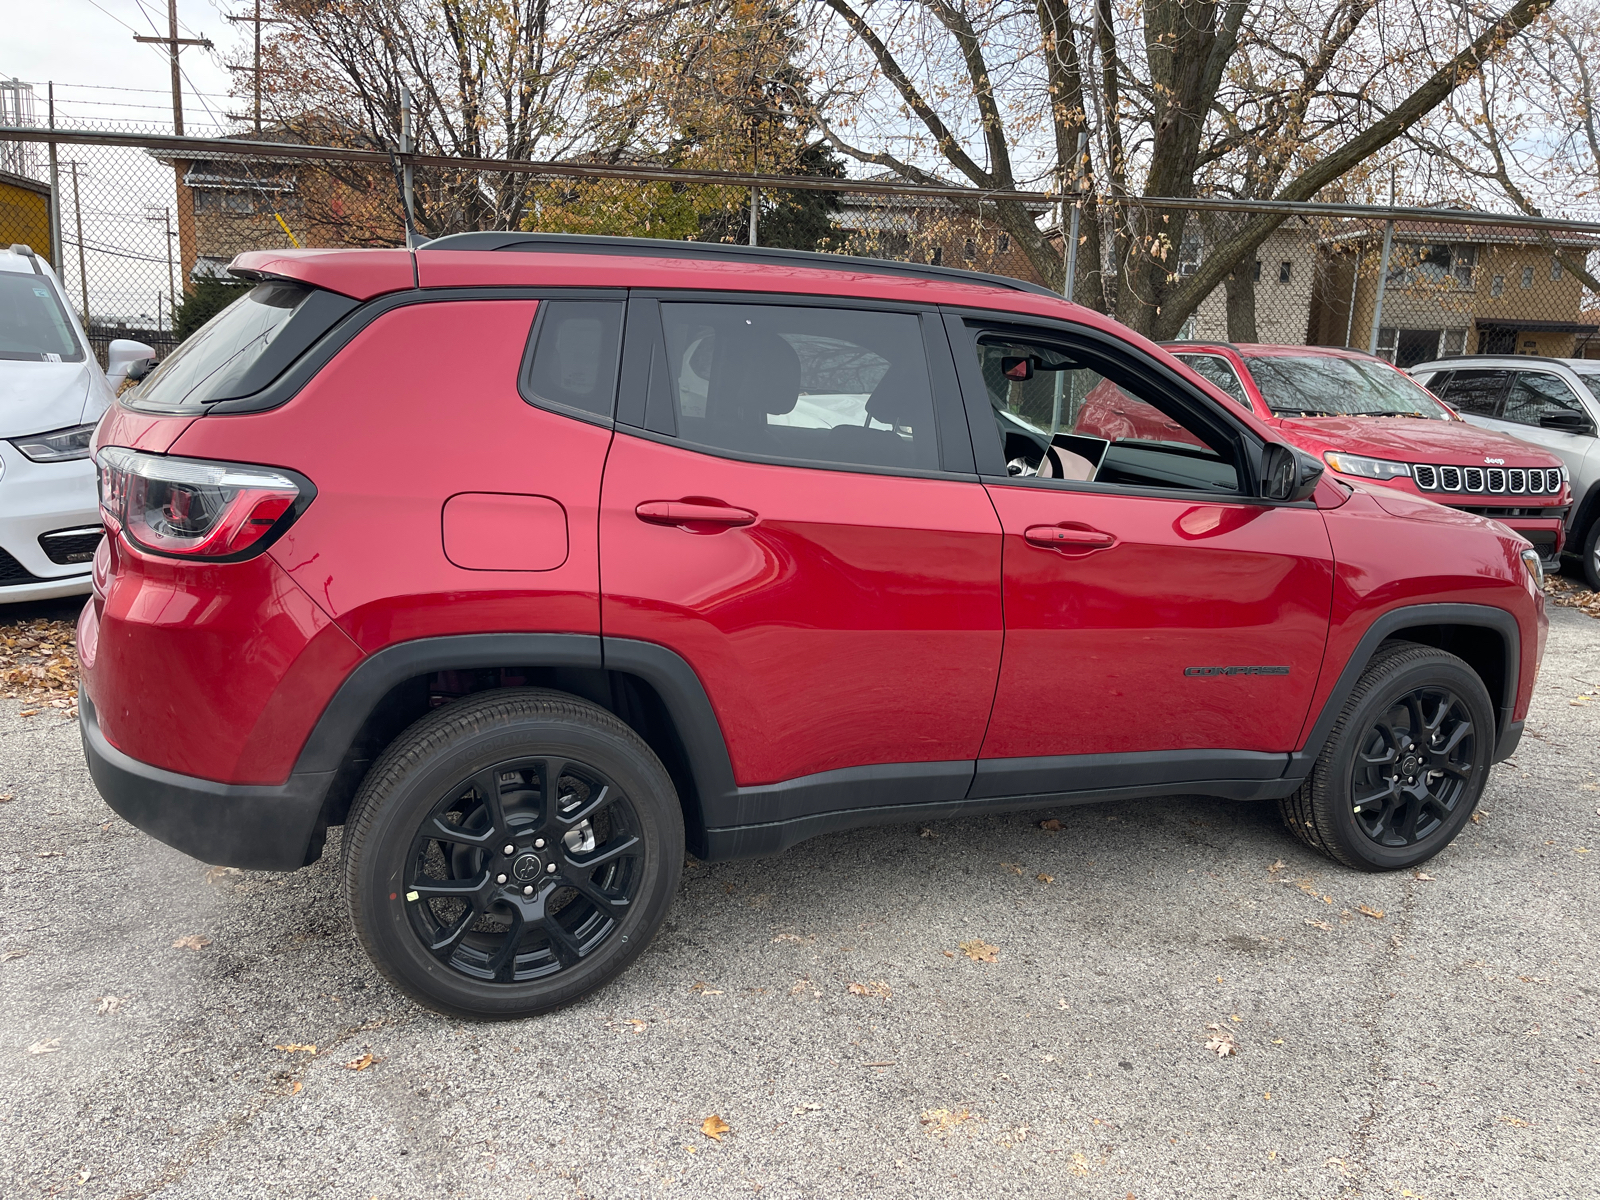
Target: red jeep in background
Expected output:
[533,560]
[1366,419]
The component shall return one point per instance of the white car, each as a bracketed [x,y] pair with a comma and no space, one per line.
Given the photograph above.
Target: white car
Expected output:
[52,391]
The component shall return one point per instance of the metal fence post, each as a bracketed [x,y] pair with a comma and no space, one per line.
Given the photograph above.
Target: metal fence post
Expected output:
[406,196]
[55,191]
[1383,273]
[755,207]
[83,270]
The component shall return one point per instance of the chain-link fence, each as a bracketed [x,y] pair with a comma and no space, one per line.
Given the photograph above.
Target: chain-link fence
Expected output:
[142,225]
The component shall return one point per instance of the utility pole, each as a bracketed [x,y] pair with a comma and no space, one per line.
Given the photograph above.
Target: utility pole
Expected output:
[1383,276]
[258,21]
[174,43]
[83,271]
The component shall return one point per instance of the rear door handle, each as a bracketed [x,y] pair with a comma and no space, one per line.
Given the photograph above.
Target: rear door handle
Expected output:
[1058,537]
[689,514]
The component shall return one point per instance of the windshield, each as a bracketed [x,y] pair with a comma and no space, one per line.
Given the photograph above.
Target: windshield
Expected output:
[1323,385]
[33,324]
[217,355]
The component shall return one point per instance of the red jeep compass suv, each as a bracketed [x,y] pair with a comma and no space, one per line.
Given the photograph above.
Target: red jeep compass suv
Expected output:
[534,560]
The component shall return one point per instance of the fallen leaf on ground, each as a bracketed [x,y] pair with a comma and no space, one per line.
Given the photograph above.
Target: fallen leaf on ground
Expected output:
[928,833]
[1517,1121]
[296,1048]
[802,1109]
[1043,878]
[294,1087]
[1221,1041]
[1375,913]
[215,873]
[942,1120]
[360,1064]
[8,955]
[703,989]
[191,941]
[49,1047]
[638,1025]
[1050,826]
[873,987]
[1476,818]
[33,712]
[50,854]
[949,953]
[109,1004]
[1013,868]
[1424,877]
[1318,924]
[7,797]
[1277,866]
[979,950]
[714,1127]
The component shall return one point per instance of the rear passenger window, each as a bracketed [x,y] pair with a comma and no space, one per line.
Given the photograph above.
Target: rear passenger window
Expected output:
[816,385]
[1474,391]
[576,347]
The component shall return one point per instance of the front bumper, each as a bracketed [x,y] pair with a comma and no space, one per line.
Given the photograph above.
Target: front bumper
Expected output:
[261,827]
[35,499]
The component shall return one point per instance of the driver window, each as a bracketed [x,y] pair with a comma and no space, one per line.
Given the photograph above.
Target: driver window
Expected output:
[1058,416]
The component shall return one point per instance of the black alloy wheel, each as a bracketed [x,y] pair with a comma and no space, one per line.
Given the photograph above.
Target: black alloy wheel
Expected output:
[511,852]
[1404,765]
[1412,767]
[523,869]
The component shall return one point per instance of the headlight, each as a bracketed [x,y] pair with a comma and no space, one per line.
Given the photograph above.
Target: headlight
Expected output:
[1530,559]
[60,446]
[1366,468]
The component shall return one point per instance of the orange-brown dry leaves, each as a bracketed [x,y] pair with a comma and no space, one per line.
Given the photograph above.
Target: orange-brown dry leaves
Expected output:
[714,1127]
[39,664]
[979,950]
[1563,592]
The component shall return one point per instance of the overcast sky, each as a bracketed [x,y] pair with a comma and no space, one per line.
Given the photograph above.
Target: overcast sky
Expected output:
[87,47]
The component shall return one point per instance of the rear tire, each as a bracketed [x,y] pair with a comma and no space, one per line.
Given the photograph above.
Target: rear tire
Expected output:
[510,853]
[1404,766]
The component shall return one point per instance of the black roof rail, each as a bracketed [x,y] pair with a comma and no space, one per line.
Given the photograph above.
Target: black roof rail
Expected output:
[577,243]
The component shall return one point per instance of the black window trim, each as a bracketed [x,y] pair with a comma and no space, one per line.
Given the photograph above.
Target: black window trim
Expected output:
[525,368]
[965,326]
[644,407]
[322,351]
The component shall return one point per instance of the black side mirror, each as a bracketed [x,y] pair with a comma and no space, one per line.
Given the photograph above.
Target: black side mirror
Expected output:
[1573,422]
[1288,475]
[138,370]
[1017,368]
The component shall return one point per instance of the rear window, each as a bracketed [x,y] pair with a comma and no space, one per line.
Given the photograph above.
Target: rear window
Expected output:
[574,362]
[232,355]
[33,324]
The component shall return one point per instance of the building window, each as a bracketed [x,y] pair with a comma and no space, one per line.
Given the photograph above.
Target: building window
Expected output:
[937,257]
[1498,285]
[1555,270]
[1463,263]
[1189,254]
[1527,277]
[1283,271]
[1388,342]
[1452,343]
[1003,244]
[1257,275]
[970,249]
[1436,264]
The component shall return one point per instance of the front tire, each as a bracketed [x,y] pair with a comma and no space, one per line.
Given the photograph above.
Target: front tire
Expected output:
[1591,554]
[510,853]
[1404,766]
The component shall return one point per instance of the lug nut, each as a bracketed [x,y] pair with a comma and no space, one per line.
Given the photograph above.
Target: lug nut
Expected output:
[510,849]
[528,891]
[499,878]
[538,843]
[550,870]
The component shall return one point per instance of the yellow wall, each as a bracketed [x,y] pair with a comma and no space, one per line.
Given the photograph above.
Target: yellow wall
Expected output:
[25,217]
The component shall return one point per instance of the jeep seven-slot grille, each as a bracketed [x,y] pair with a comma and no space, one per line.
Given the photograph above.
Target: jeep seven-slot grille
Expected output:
[1513,481]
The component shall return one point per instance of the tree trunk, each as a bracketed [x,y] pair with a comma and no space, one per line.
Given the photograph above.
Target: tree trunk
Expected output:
[1241,292]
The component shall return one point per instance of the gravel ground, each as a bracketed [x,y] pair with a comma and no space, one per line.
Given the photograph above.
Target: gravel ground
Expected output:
[1447,1048]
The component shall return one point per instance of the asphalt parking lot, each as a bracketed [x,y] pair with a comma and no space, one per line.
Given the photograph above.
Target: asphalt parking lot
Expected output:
[821,1006]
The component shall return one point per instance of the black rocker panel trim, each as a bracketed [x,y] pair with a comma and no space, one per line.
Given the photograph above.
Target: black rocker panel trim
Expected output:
[1395,623]
[999,777]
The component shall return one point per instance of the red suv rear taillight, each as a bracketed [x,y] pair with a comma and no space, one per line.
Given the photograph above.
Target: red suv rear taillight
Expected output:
[193,508]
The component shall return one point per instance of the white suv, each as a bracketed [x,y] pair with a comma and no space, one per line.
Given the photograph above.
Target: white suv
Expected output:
[1552,402]
[52,392]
